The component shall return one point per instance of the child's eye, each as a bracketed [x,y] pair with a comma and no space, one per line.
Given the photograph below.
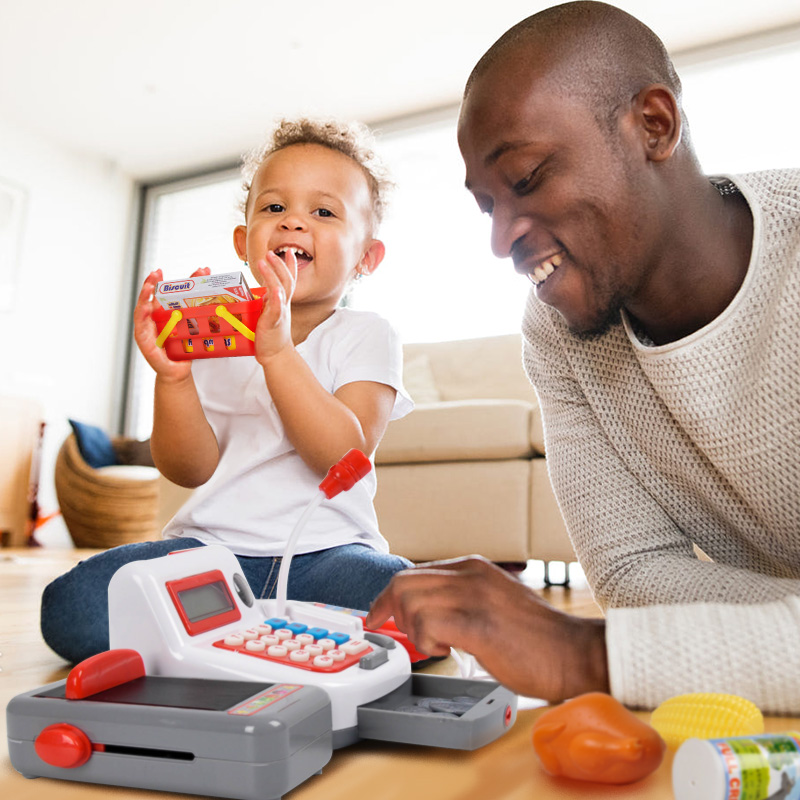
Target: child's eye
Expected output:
[274,208]
[324,212]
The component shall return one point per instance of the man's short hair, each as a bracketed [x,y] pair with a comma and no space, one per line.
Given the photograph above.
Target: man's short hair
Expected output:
[606,55]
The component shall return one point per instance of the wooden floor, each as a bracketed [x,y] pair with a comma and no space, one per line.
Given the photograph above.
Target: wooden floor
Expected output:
[507,769]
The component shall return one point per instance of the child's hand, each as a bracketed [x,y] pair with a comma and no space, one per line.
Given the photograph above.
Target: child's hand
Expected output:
[274,329]
[145,332]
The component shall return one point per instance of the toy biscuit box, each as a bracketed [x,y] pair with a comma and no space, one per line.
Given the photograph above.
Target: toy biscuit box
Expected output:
[203,290]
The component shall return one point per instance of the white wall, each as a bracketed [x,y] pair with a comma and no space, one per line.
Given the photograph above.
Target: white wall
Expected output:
[63,339]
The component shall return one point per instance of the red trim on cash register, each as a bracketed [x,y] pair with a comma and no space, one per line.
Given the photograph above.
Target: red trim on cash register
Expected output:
[103,671]
[207,623]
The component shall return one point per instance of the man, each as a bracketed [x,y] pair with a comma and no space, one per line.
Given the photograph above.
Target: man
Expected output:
[661,338]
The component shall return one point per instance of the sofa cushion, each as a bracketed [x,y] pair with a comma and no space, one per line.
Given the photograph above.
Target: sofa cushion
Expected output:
[489,368]
[432,511]
[418,379]
[474,430]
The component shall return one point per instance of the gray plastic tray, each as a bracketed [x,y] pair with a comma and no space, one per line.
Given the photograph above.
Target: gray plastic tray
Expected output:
[402,716]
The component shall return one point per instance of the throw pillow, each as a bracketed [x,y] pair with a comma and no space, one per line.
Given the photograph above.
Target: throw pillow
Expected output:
[94,445]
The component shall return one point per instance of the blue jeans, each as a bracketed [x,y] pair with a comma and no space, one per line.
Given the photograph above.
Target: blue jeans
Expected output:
[74,614]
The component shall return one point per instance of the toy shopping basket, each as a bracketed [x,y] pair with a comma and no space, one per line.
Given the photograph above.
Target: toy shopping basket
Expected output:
[221,330]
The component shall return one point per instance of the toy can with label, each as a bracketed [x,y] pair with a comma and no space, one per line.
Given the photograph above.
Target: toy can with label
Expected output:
[738,768]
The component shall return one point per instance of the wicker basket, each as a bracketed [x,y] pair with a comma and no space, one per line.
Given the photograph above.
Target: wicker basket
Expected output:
[102,509]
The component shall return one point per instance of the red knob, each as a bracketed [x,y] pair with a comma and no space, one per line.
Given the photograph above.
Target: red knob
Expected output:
[345,473]
[63,745]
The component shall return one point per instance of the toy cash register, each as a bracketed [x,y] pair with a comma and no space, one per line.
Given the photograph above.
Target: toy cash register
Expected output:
[304,678]
[192,614]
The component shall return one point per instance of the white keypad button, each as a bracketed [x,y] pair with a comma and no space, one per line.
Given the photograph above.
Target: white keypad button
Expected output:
[337,655]
[305,638]
[234,640]
[326,644]
[283,634]
[300,656]
[323,661]
[354,646]
[314,649]
[255,646]
[277,651]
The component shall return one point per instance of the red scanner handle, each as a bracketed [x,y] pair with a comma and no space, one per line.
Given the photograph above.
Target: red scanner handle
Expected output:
[103,671]
[345,473]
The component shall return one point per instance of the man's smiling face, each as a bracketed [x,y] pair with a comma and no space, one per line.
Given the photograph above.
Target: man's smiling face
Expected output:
[565,193]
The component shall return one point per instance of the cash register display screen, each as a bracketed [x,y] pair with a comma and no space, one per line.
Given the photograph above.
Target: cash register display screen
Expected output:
[205,601]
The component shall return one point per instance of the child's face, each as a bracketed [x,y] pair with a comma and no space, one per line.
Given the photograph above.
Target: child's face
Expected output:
[316,200]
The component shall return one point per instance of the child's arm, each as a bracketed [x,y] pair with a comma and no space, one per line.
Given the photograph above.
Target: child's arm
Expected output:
[321,426]
[182,444]
[324,426]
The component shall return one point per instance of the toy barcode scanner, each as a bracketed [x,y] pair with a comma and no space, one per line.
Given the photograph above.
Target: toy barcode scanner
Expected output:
[341,477]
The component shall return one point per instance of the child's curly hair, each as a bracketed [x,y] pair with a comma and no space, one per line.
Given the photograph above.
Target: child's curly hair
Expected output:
[353,139]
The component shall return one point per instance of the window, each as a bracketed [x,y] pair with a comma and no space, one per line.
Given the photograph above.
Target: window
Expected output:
[439,279]
[741,110]
[187,225]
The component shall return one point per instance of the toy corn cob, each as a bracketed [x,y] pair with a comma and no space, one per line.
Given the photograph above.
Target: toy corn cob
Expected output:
[705,716]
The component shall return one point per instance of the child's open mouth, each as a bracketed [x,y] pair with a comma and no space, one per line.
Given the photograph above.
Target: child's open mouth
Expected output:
[303,258]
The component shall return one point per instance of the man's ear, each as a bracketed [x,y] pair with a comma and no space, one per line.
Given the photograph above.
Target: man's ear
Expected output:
[372,257]
[240,241]
[659,119]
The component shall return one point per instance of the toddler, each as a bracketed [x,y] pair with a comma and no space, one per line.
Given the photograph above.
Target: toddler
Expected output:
[256,434]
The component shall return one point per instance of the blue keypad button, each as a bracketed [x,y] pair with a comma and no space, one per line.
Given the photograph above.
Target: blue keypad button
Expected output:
[317,633]
[339,638]
[275,623]
[296,627]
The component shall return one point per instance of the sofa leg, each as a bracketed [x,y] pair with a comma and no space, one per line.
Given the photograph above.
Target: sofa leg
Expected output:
[548,582]
[514,567]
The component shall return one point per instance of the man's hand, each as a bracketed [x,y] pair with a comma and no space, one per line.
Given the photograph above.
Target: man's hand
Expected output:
[523,642]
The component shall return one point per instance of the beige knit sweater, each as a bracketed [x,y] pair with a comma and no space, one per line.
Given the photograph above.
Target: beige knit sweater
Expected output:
[654,449]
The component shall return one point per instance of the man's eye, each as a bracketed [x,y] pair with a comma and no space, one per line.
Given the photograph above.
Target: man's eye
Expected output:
[530,181]
[520,187]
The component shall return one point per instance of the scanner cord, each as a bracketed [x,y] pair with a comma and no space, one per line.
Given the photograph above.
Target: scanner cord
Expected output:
[291,546]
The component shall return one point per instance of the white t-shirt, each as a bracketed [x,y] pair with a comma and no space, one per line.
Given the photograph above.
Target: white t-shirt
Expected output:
[261,485]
